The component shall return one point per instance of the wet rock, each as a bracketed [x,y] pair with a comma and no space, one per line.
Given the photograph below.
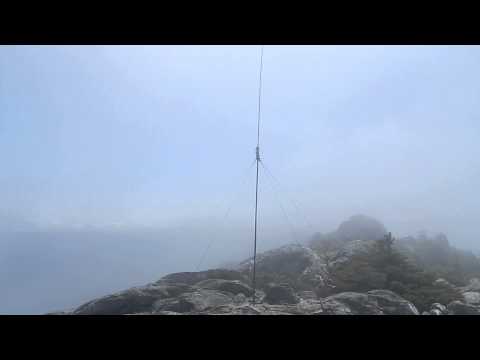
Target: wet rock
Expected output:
[245,309]
[393,304]
[438,309]
[307,295]
[192,278]
[471,297]
[345,252]
[194,302]
[167,313]
[460,308]
[439,306]
[473,285]
[375,302]
[350,303]
[360,227]
[289,259]
[280,294]
[293,263]
[134,300]
[285,309]
[310,306]
[442,283]
[231,286]
[239,299]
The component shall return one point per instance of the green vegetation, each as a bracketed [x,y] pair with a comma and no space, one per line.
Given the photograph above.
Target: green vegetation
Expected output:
[436,256]
[384,267]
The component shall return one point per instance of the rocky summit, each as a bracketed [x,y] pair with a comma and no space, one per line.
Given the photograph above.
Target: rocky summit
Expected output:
[338,274]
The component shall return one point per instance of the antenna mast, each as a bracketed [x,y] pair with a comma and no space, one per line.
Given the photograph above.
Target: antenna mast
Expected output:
[256,183]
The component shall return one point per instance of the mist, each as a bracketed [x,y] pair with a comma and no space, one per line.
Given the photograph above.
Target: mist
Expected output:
[120,164]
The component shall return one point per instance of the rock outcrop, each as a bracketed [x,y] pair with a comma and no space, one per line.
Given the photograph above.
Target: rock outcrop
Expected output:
[221,297]
[230,286]
[193,302]
[133,300]
[191,278]
[295,263]
[472,298]
[375,302]
[461,308]
[473,285]
[221,291]
[360,227]
[293,280]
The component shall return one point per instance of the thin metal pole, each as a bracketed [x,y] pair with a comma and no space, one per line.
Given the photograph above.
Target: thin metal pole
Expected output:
[256,183]
[255,237]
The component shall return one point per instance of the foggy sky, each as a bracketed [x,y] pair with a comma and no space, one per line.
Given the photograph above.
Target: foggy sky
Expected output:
[123,137]
[151,135]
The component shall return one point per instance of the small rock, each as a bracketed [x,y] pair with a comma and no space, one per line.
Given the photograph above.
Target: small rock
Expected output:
[442,283]
[307,295]
[239,299]
[167,313]
[439,306]
[438,309]
[310,306]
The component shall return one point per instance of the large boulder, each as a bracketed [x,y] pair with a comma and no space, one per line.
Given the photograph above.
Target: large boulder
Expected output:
[134,300]
[461,308]
[307,295]
[473,285]
[375,302]
[192,278]
[393,304]
[350,303]
[164,313]
[360,227]
[288,260]
[344,253]
[471,297]
[444,284]
[299,265]
[239,299]
[231,286]
[244,309]
[194,302]
[280,294]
